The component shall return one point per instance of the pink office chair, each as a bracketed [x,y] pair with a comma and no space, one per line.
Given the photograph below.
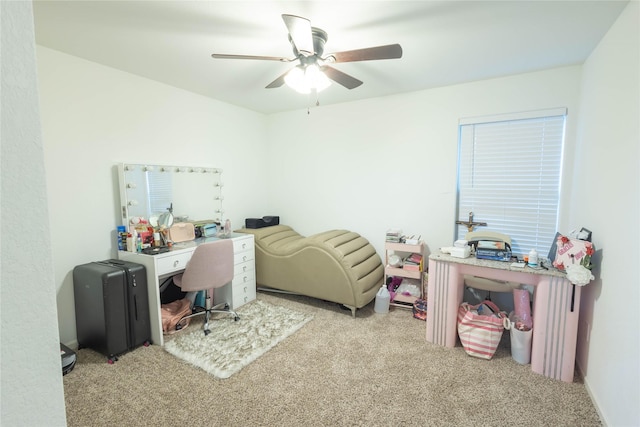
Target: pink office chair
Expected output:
[210,267]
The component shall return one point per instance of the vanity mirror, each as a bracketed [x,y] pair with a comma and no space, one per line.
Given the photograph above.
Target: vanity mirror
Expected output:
[188,193]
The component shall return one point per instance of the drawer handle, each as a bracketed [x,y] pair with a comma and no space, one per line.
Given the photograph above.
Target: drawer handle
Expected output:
[244,245]
[245,278]
[244,258]
[245,289]
[176,263]
[244,268]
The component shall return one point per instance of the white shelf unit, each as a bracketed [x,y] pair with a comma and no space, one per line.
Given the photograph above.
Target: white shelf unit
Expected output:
[403,250]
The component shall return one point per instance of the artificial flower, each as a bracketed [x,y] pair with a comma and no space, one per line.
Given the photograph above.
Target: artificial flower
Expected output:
[586,260]
[579,275]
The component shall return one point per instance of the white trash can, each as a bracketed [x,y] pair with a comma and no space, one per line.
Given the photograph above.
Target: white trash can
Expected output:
[520,342]
[521,345]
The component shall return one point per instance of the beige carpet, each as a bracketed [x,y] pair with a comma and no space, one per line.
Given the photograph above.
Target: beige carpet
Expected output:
[375,370]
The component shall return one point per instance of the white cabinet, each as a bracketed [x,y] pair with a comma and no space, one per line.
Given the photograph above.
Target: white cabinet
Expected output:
[161,266]
[243,287]
[404,268]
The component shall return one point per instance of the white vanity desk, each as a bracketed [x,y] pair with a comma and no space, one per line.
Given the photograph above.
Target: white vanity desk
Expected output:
[161,266]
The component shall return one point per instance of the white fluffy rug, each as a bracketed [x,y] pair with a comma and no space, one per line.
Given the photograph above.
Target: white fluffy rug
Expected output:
[233,345]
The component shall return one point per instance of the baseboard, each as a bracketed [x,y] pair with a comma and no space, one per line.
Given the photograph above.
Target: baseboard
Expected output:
[585,380]
[277,291]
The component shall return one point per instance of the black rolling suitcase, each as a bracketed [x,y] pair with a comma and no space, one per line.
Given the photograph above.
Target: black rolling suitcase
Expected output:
[112,307]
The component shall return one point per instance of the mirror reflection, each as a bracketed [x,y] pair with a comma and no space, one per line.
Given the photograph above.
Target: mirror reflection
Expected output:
[189,193]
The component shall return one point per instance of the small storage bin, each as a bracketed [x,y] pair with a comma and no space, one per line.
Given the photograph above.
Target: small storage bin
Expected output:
[521,345]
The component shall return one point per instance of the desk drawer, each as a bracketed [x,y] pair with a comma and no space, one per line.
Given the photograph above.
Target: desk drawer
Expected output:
[243,294]
[247,277]
[244,244]
[173,263]
[245,256]
[241,290]
[243,267]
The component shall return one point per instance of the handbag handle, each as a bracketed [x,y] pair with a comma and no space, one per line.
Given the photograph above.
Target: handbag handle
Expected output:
[492,306]
[489,304]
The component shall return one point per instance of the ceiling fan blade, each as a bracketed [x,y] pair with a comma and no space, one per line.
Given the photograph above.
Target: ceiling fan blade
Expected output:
[391,51]
[300,32]
[264,58]
[277,82]
[339,77]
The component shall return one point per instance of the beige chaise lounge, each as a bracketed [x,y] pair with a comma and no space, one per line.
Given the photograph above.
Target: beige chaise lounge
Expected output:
[337,265]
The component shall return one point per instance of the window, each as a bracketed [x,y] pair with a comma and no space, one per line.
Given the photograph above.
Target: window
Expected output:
[509,170]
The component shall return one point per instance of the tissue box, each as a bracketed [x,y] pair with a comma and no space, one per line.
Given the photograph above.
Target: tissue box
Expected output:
[461,252]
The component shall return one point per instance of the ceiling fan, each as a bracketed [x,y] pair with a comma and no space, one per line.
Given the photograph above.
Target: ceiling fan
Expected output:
[308,47]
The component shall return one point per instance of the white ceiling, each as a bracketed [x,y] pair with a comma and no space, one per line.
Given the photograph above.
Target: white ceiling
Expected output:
[444,42]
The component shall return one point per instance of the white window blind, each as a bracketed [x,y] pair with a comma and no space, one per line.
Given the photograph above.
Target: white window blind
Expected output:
[509,171]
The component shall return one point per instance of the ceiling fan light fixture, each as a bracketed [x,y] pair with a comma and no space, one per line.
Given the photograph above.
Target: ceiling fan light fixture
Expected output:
[303,79]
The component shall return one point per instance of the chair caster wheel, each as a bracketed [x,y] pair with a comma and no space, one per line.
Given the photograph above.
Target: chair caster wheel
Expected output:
[236,318]
[206,332]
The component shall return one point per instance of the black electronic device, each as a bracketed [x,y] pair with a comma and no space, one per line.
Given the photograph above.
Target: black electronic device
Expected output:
[265,221]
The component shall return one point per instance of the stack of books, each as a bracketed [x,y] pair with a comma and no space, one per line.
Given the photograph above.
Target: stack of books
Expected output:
[394,236]
[413,262]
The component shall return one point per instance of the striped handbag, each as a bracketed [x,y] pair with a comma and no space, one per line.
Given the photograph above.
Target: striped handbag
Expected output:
[480,328]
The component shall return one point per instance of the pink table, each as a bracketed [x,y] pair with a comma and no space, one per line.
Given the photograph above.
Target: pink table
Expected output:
[556,306]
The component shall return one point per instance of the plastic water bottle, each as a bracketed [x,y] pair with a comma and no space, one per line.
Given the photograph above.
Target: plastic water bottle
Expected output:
[533,258]
[382,300]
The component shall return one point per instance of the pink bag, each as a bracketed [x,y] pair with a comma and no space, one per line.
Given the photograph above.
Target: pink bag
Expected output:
[172,313]
[480,334]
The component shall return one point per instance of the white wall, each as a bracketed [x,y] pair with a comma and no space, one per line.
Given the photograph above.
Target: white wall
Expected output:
[31,391]
[391,162]
[94,117]
[606,194]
